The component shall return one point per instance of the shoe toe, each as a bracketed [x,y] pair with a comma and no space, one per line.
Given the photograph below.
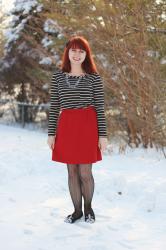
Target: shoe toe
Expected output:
[90,218]
[68,219]
[71,219]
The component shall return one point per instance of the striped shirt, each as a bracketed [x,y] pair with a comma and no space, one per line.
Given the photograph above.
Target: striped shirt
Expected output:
[66,94]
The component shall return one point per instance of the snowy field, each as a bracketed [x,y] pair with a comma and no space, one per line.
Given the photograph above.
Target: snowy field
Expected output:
[129,199]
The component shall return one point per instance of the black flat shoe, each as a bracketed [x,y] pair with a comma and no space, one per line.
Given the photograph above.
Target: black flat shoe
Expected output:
[71,218]
[90,217]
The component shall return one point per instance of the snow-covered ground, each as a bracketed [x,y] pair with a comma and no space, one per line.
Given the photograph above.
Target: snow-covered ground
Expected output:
[34,198]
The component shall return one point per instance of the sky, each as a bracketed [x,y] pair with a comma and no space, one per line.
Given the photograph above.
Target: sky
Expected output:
[6,5]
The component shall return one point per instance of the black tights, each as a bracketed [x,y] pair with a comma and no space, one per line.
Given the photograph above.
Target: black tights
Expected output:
[81,184]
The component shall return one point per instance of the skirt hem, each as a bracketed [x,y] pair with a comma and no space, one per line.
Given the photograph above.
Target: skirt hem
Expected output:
[67,162]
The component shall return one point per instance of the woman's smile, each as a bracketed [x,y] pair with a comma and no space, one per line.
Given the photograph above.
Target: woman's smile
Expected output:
[76,59]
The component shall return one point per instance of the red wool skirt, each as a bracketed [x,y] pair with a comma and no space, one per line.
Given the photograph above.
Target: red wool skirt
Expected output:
[76,138]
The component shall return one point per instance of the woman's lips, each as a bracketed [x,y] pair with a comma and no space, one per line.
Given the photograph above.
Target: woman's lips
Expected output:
[76,59]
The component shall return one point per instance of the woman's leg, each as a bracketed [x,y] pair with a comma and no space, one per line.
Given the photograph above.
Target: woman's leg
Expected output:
[75,188]
[87,185]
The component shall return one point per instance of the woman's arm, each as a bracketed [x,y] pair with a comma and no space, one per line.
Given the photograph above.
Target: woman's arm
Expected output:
[98,92]
[54,107]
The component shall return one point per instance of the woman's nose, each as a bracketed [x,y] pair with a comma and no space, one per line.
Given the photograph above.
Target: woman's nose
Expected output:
[77,52]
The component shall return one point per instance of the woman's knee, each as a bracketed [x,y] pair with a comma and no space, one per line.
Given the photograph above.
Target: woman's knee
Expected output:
[86,176]
[72,170]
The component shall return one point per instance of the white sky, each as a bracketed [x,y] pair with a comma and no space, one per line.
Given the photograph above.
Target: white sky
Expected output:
[6,5]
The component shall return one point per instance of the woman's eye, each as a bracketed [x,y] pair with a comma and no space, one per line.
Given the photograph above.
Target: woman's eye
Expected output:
[82,51]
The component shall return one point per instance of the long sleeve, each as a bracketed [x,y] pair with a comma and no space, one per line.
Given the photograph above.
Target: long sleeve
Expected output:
[54,106]
[98,92]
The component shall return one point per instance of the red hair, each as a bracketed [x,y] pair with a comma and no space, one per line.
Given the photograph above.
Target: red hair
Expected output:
[79,42]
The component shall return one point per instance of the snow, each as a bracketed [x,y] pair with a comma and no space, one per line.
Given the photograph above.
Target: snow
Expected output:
[13,20]
[60,36]
[24,6]
[163,61]
[39,8]
[46,42]
[51,26]
[12,33]
[153,53]
[12,29]
[6,5]
[55,56]
[6,64]
[11,36]
[46,60]
[129,199]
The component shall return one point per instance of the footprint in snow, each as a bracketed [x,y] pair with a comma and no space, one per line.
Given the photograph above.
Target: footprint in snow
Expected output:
[28,232]
[11,199]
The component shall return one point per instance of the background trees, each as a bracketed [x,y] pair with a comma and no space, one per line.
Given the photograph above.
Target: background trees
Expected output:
[128,43]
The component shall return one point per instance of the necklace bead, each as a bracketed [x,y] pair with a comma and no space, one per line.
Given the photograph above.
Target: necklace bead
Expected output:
[70,85]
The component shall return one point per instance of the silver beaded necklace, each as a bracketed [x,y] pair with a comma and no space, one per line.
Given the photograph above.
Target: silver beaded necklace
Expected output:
[69,84]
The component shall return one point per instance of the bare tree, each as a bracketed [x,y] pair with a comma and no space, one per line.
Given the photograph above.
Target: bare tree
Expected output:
[127,38]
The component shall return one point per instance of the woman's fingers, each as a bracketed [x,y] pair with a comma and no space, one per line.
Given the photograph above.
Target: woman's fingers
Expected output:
[50,142]
[102,145]
[52,145]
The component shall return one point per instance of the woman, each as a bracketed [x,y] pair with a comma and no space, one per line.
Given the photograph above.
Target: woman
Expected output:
[77,126]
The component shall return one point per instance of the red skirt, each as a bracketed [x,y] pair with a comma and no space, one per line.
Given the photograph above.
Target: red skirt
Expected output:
[76,138]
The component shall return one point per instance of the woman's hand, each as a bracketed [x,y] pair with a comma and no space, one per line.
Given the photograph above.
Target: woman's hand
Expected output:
[103,142]
[50,141]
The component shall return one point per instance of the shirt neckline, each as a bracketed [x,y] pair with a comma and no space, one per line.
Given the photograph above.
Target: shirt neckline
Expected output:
[74,76]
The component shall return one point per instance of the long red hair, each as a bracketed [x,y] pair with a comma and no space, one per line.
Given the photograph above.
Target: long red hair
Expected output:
[79,42]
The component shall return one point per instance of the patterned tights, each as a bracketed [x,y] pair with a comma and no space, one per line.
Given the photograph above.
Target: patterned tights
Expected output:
[81,184]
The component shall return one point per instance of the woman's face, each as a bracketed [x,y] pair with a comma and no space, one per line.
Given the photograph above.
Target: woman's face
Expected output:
[77,56]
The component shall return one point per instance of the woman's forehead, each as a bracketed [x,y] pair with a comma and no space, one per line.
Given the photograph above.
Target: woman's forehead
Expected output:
[77,46]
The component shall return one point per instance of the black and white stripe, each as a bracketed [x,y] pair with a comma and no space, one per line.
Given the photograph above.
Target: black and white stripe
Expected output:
[88,92]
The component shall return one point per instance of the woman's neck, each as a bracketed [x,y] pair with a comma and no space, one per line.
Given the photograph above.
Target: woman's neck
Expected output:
[76,71]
